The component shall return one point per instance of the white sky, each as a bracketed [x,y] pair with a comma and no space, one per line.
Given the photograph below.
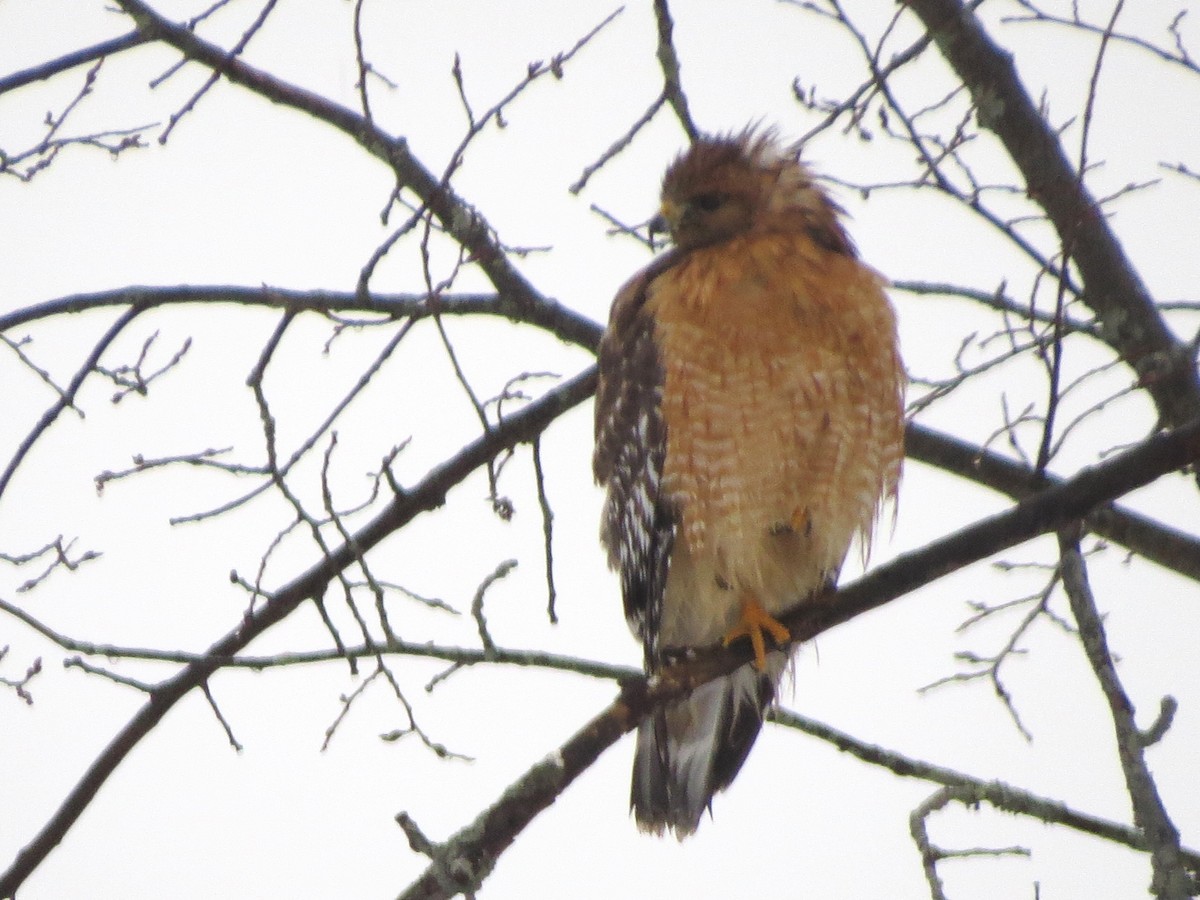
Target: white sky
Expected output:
[246,193]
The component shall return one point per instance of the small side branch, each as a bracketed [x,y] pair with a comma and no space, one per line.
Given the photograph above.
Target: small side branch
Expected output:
[668,59]
[67,399]
[973,791]
[1171,880]
[547,531]
[59,555]
[931,854]
[21,685]
[485,636]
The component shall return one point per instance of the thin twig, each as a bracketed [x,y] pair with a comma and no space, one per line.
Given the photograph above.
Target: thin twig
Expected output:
[485,637]
[212,79]
[668,60]
[547,530]
[619,144]
[428,494]
[68,396]
[212,702]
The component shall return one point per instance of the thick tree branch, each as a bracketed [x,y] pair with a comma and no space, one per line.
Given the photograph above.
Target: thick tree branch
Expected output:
[466,858]
[1129,320]
[1169,547]
[462,222]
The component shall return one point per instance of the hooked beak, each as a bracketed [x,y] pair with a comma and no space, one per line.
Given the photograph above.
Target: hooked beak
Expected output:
[661,223]
[656,226]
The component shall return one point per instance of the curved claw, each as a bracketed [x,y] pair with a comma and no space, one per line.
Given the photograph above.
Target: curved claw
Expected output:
[753,621]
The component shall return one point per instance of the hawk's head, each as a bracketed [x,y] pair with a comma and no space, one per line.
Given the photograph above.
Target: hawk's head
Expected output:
[733,184]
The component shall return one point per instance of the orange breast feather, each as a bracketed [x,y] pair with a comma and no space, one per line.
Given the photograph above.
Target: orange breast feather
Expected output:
[782,403]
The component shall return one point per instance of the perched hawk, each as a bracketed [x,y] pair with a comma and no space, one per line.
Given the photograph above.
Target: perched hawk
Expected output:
[749,423]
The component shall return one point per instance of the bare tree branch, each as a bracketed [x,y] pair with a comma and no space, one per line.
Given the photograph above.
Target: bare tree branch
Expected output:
[467,857]
[668,59]
[1171,879]
[556,319]
[931,854]
[462,222]
[67,398]
[57,66]
[1000,795]
[1169,547]
[430,493]
[1128,318]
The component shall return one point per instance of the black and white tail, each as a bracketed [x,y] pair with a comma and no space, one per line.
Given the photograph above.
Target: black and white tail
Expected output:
[694,748]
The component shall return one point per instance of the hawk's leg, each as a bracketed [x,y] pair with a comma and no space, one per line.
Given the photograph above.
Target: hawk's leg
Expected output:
[754,620]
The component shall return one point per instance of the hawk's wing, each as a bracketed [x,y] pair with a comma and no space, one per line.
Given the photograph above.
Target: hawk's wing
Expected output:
[637,526]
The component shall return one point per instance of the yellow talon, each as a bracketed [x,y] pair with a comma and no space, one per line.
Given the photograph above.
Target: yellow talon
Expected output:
[753,621]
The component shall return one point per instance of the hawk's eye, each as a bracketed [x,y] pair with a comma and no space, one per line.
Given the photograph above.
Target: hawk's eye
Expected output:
[707,202]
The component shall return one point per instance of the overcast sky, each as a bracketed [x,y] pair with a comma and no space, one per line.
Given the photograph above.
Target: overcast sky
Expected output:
[247,193]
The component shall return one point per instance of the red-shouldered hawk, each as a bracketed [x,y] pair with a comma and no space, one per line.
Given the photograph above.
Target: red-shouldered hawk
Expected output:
[749,423]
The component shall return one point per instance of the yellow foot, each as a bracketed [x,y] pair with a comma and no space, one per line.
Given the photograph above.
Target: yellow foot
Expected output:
[753,622]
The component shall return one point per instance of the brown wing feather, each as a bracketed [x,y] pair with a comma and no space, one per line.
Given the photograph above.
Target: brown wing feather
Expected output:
[638,523]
